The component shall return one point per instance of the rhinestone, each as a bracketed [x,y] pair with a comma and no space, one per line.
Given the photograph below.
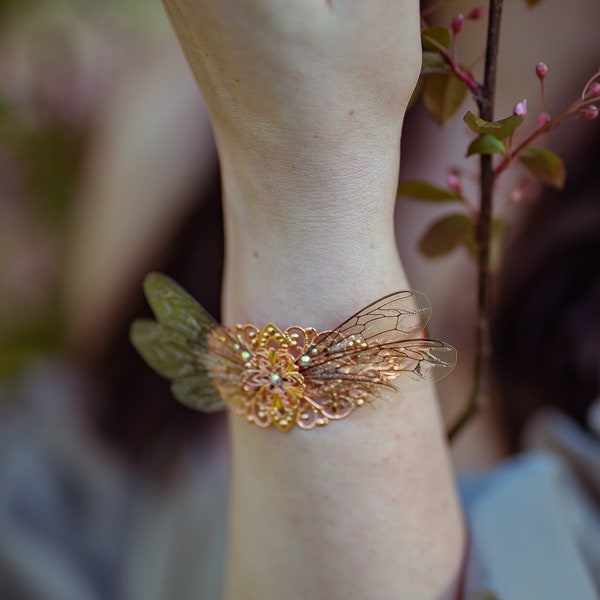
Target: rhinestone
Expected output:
[275,377]
[245,355]
[236,346]
[304,359]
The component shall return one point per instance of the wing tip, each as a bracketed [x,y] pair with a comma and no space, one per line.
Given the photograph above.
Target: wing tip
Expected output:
[154,280]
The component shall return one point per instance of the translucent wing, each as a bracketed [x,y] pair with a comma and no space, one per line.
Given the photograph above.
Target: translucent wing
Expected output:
[366,354]
[175,308]
[176,346]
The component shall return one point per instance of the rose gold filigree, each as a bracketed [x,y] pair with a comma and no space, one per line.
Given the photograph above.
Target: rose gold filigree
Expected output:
[264,384]
[304,378]
[292,377]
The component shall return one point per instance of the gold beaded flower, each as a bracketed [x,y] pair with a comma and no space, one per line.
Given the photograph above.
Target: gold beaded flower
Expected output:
[292,377]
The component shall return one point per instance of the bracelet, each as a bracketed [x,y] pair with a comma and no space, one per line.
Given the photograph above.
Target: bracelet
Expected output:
[297,376]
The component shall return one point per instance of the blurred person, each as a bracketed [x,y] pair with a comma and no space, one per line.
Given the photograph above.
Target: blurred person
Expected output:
[431,151]
[89,502]
[535,519]
[120,427]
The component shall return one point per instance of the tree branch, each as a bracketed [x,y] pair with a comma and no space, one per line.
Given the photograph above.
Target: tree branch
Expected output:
[485,102]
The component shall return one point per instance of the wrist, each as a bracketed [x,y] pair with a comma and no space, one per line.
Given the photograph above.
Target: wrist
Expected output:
[309,227]
[310,239]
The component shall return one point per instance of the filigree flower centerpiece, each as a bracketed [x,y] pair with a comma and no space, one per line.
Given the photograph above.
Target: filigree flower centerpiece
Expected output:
[270,375]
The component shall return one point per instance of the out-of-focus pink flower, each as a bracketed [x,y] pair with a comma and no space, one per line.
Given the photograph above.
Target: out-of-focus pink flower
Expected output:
[542,119]
[541,70]
[476,13]
[589,113]
[458,22]
[453,182]
[516,195]
[593,90]
[520,110]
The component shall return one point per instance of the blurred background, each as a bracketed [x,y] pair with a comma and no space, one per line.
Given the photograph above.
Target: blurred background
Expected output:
[108,488]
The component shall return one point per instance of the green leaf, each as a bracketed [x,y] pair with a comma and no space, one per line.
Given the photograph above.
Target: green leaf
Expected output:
[421,190]
[446,234]
[486,144]
[545,165]
[434,37]
[432,60]
[501,129]
[443,95]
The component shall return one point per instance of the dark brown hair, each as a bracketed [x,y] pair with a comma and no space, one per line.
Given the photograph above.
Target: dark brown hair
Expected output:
[546,329]
[135,412]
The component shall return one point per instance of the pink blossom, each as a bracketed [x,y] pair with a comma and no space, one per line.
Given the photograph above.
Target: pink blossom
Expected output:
[593,90]
[476,13]
[453,182]
[589,113]
[516,195]
[541,70]
[520,110]
[458,22]
[542,119]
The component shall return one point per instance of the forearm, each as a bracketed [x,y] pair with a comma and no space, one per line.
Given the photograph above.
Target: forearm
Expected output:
[365,507]
[307,99]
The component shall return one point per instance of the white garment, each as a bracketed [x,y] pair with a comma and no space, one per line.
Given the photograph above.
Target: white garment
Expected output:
[535,521]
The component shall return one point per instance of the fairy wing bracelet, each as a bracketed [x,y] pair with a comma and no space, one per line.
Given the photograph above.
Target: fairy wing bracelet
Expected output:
[297,376]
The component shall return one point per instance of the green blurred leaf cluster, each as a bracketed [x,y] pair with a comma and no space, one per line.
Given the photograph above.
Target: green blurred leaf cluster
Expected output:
[442,90]
[46,117]
[451,231]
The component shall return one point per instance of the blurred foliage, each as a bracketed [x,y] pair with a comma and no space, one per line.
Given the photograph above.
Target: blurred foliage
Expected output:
[58,64]
[545,165]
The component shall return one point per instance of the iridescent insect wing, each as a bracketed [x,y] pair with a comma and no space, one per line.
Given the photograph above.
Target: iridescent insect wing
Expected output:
[176,346]
[363,356]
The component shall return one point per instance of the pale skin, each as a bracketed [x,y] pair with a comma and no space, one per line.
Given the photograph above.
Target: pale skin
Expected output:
[307,99]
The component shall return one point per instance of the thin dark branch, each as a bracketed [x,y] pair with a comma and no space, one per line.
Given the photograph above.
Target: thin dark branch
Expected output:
[485,102]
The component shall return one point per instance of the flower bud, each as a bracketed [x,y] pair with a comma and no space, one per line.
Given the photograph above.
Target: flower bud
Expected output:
[541,70]
[520,110]
[542,119]
[589,113]
[476,13]
[593,90]
[453,182]
[516,195]
[458,22]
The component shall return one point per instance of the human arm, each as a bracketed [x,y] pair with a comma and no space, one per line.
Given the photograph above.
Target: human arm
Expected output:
[307,100]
